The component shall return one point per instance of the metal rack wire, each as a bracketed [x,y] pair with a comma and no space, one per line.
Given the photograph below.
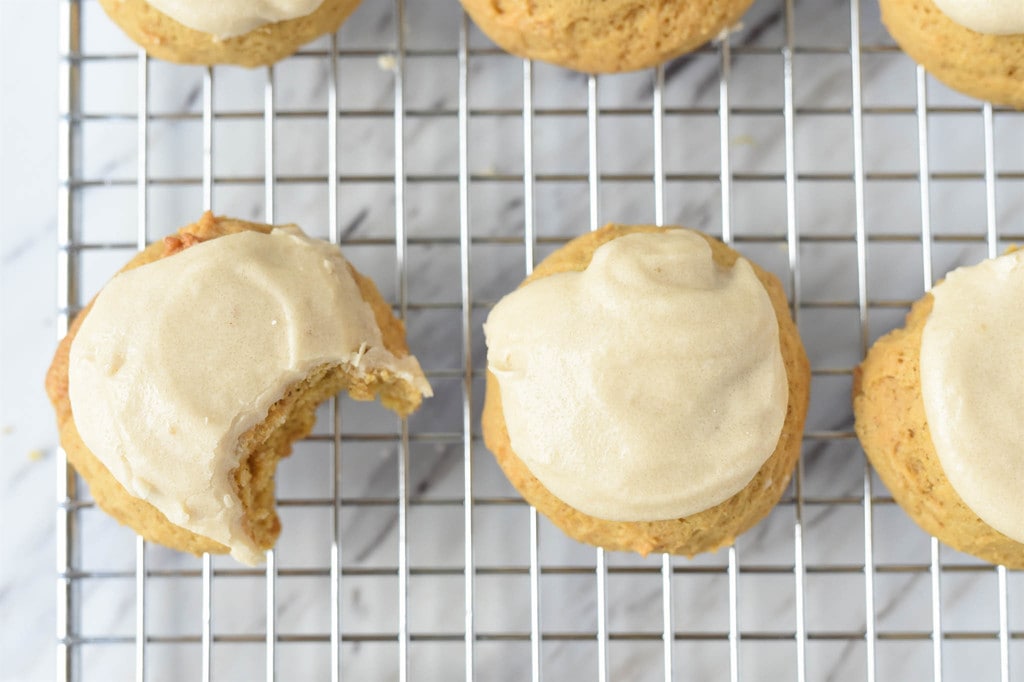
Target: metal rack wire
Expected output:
[778,605]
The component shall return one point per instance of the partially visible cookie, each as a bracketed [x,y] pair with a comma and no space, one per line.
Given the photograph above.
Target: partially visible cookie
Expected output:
[984,65]
[892,424]
[603,36]
[167,38]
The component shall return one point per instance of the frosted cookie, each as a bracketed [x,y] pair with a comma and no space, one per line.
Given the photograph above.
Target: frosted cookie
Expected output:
[646,390]
[939,406]
[603,36]
[243,32]
[181,385]
[974,46]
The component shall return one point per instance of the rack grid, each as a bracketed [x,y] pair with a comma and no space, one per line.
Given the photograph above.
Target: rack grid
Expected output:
[805,139]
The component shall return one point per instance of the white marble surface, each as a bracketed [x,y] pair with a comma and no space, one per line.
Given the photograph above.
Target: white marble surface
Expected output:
[835,617]
[28,101]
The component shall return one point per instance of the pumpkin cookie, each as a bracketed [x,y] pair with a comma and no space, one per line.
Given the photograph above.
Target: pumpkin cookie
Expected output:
[181,385]
[646,390]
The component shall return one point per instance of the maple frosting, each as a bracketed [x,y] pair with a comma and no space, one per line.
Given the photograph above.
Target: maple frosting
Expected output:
[180,357]
[649,386]
[230,18]
[972,386]
[995,17]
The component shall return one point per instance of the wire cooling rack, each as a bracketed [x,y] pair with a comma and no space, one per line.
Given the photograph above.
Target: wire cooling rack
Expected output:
[446,169]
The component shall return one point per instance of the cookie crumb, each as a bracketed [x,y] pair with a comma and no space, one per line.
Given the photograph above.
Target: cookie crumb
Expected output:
[726,32]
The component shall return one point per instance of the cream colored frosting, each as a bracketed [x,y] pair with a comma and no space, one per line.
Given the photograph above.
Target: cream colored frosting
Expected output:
[996,17]
[972,385]
[180,357]
[230,18]
[649,386]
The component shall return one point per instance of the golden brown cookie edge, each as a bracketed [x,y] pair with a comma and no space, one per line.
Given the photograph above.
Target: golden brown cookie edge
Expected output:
[604,37]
